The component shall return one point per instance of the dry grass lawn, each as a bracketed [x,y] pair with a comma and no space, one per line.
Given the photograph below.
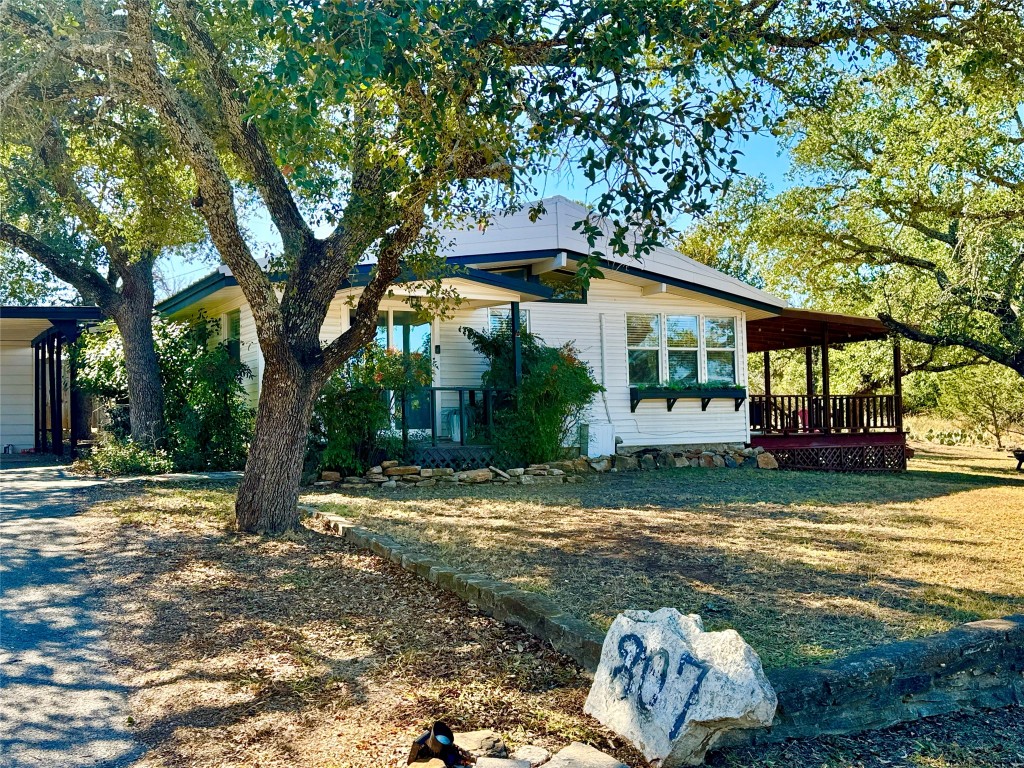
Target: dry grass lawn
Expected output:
[806,566]
[299,651]
[302,652]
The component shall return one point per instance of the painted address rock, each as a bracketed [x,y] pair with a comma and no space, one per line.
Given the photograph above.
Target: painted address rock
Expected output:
[673,689]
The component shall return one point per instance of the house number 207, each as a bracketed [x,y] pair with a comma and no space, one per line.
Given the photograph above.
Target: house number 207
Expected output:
[643,673]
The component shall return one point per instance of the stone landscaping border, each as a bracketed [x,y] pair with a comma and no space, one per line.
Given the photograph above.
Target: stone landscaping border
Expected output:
[976,665]
[979,665]
[392,474]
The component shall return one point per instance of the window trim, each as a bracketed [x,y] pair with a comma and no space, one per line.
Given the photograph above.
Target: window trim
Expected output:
[702,348]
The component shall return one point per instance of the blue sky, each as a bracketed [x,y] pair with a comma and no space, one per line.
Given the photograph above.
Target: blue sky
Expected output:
[762,156]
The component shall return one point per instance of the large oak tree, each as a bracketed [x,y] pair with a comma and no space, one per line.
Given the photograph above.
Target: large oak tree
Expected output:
[380,121]
[910,199]
[90,191]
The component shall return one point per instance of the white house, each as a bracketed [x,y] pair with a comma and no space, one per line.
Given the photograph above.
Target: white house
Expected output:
[661,317]
[656,320]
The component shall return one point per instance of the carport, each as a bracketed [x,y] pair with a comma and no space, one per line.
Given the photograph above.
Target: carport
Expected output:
[41,409]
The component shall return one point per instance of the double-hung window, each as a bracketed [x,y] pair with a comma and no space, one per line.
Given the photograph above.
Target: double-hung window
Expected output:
[680,350]
[720,346]
[683,344]
[643,342]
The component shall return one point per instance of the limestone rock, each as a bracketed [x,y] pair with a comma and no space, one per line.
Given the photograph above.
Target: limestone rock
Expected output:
[388,464]
[648,462]
[766,461]
[535,756]
[718,461]
[666,460]
[426,483]
[601,464]
[501,762]
[388,484]
[578,755]
[516,472]
[426,472]
[331,477]
[500,473]
[527,480]
[626,463]
[398,471]
[707,460]
[475,476]
[485,743]
[673,689]
[356,479]
[375,471]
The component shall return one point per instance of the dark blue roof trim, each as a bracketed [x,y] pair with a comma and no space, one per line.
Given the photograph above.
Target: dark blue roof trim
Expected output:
[208,286]
[359,277]
[51,313]
[612,266]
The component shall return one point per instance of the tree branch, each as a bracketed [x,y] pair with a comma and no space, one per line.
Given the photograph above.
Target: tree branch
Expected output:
[215,201]
[246,141]
[85,279]
[992,352]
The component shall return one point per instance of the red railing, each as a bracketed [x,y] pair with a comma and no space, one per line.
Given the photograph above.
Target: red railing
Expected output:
[787,414]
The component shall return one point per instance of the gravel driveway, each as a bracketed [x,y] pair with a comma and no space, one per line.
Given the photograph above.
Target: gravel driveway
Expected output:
[60,702]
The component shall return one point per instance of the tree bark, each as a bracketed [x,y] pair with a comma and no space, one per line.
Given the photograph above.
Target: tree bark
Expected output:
[269,491]
[133,315]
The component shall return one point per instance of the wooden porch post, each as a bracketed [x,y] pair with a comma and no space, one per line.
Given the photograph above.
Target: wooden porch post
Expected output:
[826,389]
[56,431]
[809,370]
[897,382]
[39,417]
[517,346]
[767,375]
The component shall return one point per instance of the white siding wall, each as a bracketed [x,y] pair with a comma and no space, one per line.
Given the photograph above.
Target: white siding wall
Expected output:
[581,324]
[17,382]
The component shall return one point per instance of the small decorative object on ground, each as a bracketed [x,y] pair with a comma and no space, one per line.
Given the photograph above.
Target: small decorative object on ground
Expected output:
[438,744]
[673,689]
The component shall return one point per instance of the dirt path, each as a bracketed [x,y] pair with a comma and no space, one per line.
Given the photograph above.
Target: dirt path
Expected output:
[60,701]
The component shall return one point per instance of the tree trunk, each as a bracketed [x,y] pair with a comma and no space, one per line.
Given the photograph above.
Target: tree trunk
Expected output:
[269,492]
[145,389]
[134,319]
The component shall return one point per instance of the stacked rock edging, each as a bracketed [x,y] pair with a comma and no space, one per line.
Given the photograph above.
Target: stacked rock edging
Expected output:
[979,665]
[392,474]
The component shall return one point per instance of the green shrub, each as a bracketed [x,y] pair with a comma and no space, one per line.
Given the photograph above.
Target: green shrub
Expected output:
[544,412]
[352,427]
[207,416]
[112,457]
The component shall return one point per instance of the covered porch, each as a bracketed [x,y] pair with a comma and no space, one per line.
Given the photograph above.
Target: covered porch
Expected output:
[818,429]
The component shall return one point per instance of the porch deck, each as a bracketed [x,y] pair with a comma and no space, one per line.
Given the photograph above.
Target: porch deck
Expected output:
[844,433]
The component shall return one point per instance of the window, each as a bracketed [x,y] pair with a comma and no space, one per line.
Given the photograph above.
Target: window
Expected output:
[720,342]
[500,319]
[643,344]
[683,349]
[233,335]
[692,349]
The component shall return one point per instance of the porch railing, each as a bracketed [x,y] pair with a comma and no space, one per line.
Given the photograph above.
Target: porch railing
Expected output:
[788,414]
[463,415]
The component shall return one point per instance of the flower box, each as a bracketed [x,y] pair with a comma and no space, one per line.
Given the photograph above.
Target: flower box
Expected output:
[671,395]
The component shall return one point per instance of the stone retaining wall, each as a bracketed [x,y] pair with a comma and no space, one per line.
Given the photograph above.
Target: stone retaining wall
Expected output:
[392,474]
[976,665]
